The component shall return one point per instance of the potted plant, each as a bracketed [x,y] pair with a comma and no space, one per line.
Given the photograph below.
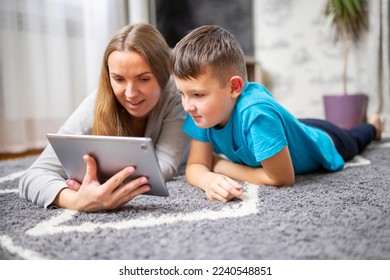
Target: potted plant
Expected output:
[349,19]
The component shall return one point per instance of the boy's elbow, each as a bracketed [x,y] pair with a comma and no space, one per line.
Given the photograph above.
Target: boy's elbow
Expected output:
[285,182]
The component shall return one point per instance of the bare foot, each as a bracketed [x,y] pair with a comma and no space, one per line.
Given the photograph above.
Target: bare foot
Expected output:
[375,120]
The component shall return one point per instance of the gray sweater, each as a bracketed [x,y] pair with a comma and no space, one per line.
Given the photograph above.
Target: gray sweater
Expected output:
[46,178]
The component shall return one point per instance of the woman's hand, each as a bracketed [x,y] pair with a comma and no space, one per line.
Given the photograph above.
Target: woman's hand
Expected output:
[91,196]
[73,184]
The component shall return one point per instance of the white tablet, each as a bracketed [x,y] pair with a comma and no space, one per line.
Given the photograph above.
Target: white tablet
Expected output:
[112,154]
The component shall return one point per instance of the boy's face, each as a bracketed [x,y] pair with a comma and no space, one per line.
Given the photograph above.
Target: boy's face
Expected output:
[208,103]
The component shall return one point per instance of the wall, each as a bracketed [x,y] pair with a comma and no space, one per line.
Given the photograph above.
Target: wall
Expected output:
[300,62]
[299,59]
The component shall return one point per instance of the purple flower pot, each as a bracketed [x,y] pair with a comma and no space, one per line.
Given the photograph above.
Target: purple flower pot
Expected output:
[346,111]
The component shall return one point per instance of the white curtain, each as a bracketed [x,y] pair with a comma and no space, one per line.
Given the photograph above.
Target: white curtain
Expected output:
[51,53]
[378,52]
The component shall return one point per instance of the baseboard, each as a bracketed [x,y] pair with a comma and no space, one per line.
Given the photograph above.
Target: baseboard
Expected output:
[20,155]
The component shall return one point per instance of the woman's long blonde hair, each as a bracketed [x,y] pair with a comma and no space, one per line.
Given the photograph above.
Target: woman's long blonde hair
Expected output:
[110,118]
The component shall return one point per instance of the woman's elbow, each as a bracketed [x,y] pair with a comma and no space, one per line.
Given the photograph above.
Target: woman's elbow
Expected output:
[23,186]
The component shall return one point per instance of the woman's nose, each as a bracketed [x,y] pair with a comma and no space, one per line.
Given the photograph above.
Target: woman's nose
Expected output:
[130,90]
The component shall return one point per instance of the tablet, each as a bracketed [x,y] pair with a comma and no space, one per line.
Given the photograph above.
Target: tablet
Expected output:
[112,154]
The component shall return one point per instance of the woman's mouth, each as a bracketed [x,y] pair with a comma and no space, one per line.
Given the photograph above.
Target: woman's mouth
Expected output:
[133,104]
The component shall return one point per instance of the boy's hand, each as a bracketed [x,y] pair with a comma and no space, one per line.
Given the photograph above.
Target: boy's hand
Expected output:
[222,188]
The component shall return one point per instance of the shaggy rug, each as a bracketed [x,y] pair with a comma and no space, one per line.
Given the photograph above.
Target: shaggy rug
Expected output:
[342,215]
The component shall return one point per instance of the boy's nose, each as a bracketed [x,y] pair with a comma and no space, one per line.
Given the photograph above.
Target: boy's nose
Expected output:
[191,108]
[188,107]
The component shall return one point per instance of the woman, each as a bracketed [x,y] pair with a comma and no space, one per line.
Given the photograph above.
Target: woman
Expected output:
[135,97]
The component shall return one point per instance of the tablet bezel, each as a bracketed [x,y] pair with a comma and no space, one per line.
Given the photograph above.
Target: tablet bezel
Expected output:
[112,154]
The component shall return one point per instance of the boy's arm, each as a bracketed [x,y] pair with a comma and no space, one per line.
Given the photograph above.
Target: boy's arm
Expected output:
[198,173]
[276,171]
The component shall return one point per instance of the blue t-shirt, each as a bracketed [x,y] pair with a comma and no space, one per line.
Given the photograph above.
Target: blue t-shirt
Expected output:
[259,128]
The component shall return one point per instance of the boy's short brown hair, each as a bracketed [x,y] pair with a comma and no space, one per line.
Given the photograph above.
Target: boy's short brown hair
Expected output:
[208,46]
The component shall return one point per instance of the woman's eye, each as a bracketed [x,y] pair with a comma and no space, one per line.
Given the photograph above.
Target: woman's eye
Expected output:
[145,79]
[117,79]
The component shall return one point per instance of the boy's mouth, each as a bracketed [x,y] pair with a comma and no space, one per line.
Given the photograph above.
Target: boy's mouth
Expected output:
[196,118]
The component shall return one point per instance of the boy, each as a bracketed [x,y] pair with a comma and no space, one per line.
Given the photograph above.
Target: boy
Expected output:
[263,142]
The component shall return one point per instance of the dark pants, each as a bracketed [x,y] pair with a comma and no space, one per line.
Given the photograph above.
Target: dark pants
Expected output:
[348,142]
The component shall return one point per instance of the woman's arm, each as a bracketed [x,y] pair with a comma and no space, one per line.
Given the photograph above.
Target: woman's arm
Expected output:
[276,171]
[44,182]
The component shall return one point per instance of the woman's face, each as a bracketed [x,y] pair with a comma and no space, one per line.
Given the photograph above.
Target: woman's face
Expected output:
[133,82]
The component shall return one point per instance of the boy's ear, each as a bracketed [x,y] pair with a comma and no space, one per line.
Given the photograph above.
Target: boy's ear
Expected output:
[236,86]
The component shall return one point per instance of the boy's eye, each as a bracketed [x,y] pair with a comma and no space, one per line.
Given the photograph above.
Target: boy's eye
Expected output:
[198,94]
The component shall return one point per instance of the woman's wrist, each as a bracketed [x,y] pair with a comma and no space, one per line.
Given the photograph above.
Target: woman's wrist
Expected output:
[66,198]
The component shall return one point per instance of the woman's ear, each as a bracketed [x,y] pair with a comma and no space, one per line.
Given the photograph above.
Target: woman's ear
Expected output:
[236,86]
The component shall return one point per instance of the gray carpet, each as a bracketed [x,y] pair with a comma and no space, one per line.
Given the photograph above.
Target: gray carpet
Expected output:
[342,215]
